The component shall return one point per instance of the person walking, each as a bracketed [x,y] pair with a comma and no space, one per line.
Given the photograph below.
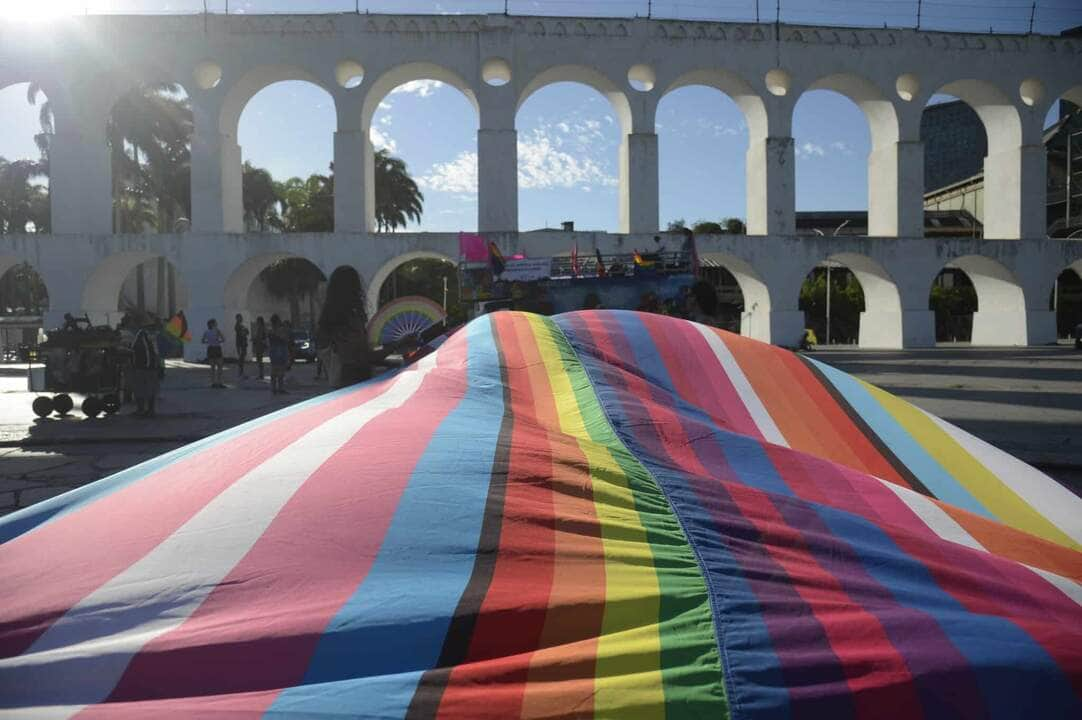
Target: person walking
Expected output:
[240,336]
[145,373]
[214,340]
[278,342]
[259,343]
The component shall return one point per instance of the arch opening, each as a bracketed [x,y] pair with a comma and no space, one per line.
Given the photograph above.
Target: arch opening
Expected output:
[841,187]
[287,178]
[26,131]
[972,136]
[977,299]
[134,281]
[149,134]
[414,273]
[571,153]
[743,297]
[1063,146]
[416,184]
[691,149]
[864,306]
[275,283]
[24,300]
[1066,302]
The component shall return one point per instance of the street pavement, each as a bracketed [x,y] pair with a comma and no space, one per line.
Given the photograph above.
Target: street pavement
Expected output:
[1026,400]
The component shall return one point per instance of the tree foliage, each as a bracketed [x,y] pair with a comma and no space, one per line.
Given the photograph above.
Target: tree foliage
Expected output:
[846,304]
[24,201]
[398,199]
[22,291]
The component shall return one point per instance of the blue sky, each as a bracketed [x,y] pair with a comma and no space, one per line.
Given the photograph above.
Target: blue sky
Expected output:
[568,135]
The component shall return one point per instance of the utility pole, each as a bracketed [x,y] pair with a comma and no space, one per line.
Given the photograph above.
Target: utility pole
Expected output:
[828,302]
[649,8]
[1032,12]
[918,13]
[756,11]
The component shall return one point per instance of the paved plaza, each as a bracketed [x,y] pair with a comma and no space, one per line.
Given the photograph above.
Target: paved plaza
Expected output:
[1027,401]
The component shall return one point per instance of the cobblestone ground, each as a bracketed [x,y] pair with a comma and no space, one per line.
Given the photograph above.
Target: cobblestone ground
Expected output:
[40,458]
[1025,400]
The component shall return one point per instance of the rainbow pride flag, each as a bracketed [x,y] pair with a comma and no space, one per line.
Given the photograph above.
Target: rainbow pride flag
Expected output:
[603,514]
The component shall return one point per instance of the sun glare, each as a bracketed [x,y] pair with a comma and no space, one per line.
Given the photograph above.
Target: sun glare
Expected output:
[36,10]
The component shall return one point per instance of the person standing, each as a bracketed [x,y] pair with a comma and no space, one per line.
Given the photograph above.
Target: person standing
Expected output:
[240,336]
[145,373]
[278,342]
[259,343]
[214,340]
[343,331]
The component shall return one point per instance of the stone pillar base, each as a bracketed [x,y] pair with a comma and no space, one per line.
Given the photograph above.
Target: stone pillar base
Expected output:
[786,327]
[918,328]
[1040,327]
[999,328]
[880,330]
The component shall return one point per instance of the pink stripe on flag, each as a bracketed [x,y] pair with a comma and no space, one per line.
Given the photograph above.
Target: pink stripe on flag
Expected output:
[61,563]
[258,629]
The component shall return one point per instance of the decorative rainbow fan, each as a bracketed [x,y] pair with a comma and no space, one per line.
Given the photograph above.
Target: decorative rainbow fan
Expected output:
[403,317]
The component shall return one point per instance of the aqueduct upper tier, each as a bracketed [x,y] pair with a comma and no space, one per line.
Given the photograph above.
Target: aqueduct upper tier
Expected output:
[85,64]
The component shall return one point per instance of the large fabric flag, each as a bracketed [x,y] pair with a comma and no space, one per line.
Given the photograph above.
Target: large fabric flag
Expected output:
[603,514]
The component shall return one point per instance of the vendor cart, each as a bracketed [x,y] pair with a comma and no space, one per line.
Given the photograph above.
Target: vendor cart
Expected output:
[90,361]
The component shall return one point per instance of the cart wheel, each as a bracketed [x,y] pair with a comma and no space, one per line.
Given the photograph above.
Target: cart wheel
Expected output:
[110,403]
[43,406]
[92,407]
[62,404]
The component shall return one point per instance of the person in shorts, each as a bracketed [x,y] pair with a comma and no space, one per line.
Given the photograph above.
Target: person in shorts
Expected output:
[214,340]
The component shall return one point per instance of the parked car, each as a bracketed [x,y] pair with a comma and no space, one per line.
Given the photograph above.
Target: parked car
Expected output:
[304,347]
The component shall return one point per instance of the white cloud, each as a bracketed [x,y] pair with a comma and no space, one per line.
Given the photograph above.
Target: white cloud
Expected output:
[385,120]
[841,147]
[543,165]
[384,105]
[381,141]
[457,176]
[810,149]
[421,88]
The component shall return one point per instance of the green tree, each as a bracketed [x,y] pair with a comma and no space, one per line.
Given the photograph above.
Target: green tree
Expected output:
[734,226]
[23,202]
[846,304]
[22,291]
[677,224]
[261,201]
[398,199]
[292,279]
[707,227]
[307,205]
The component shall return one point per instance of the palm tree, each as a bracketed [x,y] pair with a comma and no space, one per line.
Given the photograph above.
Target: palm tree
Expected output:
[45,119]
[261,200]
[22,201]
[398,198]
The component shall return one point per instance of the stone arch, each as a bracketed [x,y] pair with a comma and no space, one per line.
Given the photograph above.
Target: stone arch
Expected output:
[1003,167]
[881,320]
[40,192]
[1059,224]
[740,92]
[10,262]
[735,87]
[381,87]
[374,283]
[103,287]
[244,88]
[1065,299]
[584,76]
[755,320]
[1000,318]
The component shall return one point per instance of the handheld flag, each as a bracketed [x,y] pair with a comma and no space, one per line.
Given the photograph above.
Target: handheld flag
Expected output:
[495,257]
[178,327]
[600,264]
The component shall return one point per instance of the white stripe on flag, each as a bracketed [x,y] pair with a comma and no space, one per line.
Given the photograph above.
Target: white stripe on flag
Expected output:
[946,527]
[743,387]
[81,657]
[1056,503]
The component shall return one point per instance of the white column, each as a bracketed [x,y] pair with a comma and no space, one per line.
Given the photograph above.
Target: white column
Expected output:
[771,183]
[639,183]
[497,180]
[896,190]
[80,182]
[1014,189]
[349,186]
[217,192]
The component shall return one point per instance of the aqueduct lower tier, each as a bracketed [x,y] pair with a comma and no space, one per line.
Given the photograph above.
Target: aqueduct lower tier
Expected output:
[1013,279]
[84,65]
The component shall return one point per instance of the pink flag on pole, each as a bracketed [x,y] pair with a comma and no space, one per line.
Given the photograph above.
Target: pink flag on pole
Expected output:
[472,247]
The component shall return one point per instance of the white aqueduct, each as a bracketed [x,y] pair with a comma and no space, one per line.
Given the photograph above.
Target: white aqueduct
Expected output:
[497,62]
